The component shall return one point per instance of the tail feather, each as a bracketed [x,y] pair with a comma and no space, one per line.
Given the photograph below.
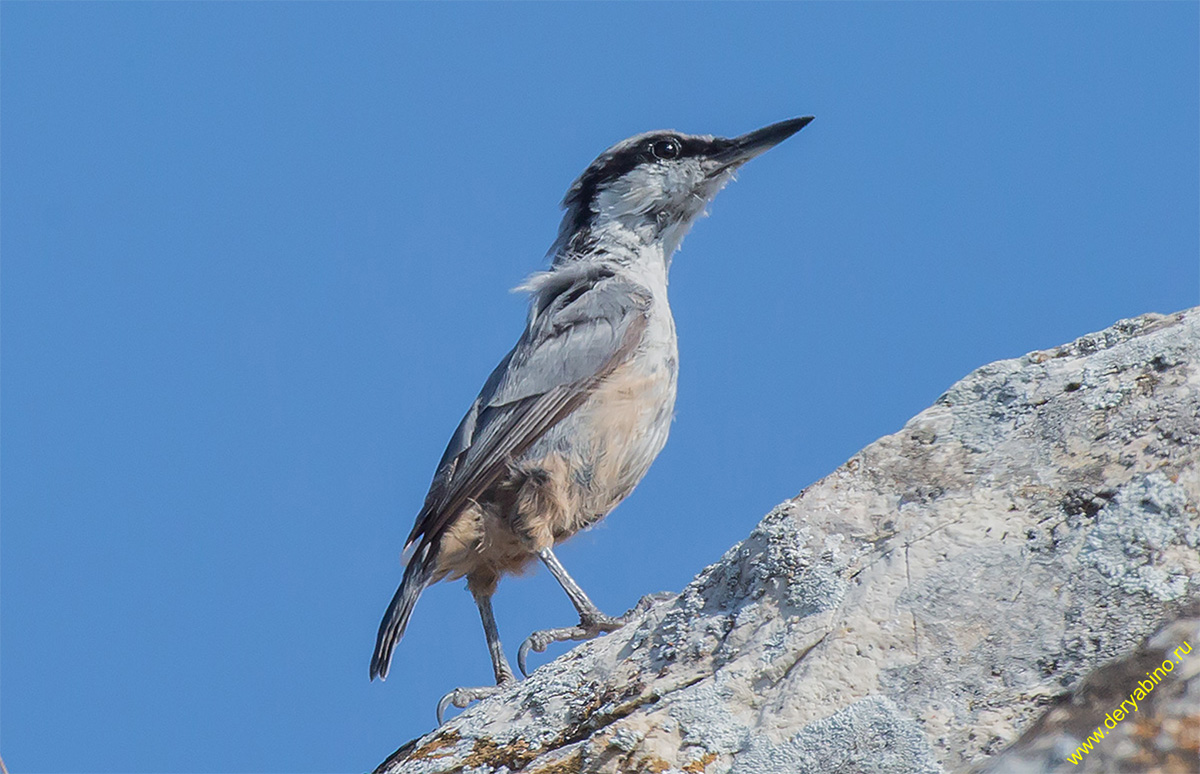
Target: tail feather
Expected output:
[417,575]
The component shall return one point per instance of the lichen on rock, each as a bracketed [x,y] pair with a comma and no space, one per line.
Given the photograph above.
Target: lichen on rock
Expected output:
[936,599]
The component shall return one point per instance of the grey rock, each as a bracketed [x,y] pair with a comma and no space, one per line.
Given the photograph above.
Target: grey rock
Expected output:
[1140,713]
[947,600]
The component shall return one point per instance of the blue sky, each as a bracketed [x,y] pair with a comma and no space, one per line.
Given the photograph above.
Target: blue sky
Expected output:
[256,261]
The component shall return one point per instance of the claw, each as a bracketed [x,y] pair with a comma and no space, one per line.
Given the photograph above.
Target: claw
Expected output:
[443,703]
[462,697]
[532,642]
[522,652]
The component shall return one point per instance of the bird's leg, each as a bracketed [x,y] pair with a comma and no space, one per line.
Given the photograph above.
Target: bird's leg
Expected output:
[588,612]
[504,673]
[461,697]
[592,622]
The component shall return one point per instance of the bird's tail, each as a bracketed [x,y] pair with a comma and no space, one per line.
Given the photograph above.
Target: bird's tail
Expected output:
[417,575]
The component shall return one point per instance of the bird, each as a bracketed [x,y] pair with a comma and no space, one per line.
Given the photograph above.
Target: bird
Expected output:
[573,416]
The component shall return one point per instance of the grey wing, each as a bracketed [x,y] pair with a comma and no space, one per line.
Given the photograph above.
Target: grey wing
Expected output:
[578,333]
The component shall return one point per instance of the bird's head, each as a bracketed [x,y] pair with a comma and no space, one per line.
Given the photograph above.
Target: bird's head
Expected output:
[653,186]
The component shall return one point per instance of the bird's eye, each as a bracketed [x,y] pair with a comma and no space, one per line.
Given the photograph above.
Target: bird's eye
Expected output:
[665,149]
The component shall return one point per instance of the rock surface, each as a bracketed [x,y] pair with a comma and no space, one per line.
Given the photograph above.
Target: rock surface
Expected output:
[1140,713]
[950,590]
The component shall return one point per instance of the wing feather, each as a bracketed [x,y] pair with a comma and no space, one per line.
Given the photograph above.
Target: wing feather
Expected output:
[578,333]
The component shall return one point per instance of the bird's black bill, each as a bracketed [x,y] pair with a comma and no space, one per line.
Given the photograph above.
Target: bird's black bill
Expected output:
[742,149]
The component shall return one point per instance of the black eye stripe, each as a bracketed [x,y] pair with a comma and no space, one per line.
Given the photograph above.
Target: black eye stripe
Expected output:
[612,164]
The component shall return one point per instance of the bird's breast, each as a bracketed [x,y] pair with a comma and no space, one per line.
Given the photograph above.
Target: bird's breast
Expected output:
[625,423]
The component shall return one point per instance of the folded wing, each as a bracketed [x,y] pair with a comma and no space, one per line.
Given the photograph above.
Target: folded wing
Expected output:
[584,325]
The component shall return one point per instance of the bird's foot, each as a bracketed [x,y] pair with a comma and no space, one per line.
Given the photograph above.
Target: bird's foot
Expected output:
[464,697]
[589,628]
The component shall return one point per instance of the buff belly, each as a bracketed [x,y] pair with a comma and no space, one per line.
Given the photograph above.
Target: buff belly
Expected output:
[571,478]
